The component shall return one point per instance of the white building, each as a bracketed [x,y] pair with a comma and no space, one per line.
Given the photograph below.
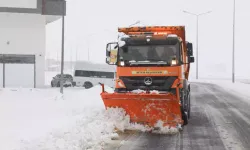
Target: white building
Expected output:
[22,40]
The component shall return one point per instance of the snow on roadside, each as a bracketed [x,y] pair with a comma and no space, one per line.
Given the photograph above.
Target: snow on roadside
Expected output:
[89,132]
[38,119]
[241,89]
[45,119]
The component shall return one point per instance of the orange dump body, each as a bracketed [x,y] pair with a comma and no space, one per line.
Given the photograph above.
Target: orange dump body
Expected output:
[147,109]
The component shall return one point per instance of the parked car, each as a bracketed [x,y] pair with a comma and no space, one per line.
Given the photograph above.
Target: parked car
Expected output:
[67,80]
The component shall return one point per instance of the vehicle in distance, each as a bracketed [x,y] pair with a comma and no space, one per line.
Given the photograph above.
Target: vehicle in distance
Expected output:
[88,74]
[67,80]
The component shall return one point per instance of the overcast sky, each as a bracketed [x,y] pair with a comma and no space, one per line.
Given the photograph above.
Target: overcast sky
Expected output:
[97,22]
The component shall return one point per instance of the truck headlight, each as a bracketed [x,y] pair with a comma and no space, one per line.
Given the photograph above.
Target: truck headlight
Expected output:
[122,63]
[174,62]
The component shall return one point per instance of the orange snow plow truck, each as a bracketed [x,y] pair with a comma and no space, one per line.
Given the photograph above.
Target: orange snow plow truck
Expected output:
[152,69]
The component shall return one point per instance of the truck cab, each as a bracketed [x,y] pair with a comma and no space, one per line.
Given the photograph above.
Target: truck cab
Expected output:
[160,57]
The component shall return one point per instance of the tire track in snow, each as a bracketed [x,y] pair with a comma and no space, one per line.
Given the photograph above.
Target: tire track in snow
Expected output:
[231,117]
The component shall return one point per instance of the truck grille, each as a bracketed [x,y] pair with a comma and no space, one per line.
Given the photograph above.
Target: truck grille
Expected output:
[158,83]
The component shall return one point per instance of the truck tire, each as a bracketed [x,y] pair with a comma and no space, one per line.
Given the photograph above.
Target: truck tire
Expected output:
[88,85]
[189,101]
[184,117]
[185,84]
[184,107]
[189,106]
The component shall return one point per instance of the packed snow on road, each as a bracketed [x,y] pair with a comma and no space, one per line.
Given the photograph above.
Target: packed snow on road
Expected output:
[240,88]
[33,119]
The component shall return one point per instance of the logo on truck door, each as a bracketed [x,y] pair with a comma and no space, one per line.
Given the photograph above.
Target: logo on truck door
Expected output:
[148,81]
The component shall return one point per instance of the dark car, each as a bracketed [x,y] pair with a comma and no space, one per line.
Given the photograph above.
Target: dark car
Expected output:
[67,80]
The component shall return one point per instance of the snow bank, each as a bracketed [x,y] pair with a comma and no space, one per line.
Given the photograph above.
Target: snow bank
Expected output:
[38,119]
[45,119]
[89,132]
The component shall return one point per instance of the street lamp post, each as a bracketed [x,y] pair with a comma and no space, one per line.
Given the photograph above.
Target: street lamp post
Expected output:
[62,56]
[88,40]
[233,54]
[197,38]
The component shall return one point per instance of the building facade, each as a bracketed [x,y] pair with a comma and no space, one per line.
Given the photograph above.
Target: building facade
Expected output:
[22,40]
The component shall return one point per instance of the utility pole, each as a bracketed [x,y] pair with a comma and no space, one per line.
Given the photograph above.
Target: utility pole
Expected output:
[62,56]
[197,46]
[88,47]
[197,38]
[71,62]
[233,54]
[76,52]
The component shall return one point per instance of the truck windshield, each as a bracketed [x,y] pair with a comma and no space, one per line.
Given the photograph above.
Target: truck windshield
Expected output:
[151,53]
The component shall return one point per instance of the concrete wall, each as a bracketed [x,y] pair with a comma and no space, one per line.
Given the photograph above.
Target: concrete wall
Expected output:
[24,34]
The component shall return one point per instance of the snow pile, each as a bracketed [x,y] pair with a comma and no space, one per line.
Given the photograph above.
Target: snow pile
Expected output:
[165,129]
[139,91]
[90,132]
[38,119]
[139,127]
[45,119]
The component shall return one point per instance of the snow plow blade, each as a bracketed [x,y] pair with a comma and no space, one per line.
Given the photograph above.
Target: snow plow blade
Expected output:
[147,109]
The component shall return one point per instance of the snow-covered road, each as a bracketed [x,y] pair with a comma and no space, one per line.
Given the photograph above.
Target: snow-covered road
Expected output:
[220,120]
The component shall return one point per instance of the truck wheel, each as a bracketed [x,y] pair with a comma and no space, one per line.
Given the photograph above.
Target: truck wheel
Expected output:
[88,85]
[185,117]
[189,105]
[184,107]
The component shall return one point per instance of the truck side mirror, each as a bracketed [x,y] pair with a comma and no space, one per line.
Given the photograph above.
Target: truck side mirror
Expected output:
[111,53]
[191,59]
[189,49]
